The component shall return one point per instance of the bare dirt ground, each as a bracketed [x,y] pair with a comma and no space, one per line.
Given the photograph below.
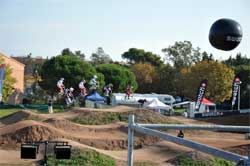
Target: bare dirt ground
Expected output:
[238,120]
[109,139]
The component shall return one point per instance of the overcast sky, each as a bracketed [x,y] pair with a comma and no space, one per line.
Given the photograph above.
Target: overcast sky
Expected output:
[45,27]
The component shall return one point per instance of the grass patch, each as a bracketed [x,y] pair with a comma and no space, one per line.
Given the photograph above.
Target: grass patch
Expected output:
[17,164]
[190,162]
[6,112]
[58,110]
[214,162]
[83,158]
[101,118]
[179,111]
[221,162]
[43,109]
[40,109]
[145,163]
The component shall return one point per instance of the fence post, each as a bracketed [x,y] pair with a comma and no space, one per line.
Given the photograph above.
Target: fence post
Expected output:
[130,139]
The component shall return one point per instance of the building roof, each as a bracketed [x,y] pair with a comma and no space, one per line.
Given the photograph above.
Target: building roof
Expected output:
[12,59]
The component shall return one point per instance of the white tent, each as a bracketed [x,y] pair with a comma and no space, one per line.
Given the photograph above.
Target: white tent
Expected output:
[157,105]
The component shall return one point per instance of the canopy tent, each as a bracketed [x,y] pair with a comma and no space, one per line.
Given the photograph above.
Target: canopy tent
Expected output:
[157,104]
[207,102]
[95,97]
[207,108]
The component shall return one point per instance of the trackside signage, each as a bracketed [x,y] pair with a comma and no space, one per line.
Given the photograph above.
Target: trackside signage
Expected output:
[236,87]
[2,73]
[200,94]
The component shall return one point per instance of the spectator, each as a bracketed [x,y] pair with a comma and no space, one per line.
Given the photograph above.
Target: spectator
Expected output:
[50,107]
[180,134]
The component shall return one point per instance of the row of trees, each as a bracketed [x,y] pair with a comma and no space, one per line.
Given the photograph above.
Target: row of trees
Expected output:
[73,70]
[184,68]
[180,74]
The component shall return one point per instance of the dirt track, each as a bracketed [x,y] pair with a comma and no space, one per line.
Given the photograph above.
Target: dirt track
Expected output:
[110,139]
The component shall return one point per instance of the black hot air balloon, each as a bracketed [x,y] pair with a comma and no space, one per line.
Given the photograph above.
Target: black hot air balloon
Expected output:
[225,34]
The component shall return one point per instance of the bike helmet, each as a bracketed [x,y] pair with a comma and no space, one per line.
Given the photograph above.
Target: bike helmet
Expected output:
[62,79]
[95,76]
[71,89]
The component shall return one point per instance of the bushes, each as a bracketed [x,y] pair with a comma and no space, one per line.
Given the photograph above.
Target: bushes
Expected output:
[83,158]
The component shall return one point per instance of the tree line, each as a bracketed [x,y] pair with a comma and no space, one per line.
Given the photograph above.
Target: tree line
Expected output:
[179,74]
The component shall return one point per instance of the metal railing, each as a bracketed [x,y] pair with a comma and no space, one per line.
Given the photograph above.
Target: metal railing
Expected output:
[148,129]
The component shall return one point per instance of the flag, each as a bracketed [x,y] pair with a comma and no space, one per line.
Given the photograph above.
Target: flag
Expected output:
[2,73]
[200,94]
[235,89]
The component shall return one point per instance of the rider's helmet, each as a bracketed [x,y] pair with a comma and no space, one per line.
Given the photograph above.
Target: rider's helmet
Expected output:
[83,81]
[95,76]
[62,79]
[110,85]
[71,89]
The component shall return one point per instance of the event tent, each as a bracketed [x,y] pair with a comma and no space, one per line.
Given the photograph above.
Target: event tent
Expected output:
[95,97]
[157,105]
[207,108]
[207,102]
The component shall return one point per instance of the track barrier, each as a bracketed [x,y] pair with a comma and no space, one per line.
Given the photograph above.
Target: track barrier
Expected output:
[149,130]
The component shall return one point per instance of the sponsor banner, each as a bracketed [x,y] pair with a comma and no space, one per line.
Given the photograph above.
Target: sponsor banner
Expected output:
[2,73]
[235,89]
[200,94]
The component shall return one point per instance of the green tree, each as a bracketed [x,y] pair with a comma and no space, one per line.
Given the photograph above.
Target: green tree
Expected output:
[219,78]
[206,57]
[73,69]
[243,71]
[238,60]
[9,81]
[118,75]
[145,76]
[165,80]
[77,53]
[100,57]
[67,51]
[182,54]
[134,55]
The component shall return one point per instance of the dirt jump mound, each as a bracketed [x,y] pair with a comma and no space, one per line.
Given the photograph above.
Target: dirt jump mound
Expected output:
[14,135]
[192,156]
[19,116]
[103,117]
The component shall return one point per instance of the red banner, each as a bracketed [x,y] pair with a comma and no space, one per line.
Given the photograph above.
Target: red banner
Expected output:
[235,89]
[200,94]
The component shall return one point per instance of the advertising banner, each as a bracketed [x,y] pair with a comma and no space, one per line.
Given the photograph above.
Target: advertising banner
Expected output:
[200,94]
[235,90]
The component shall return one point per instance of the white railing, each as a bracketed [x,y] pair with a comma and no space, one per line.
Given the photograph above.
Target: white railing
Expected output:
[148,129]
